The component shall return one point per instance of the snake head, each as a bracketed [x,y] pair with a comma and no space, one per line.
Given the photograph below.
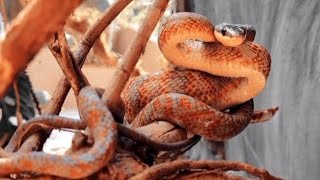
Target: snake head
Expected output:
[230,34]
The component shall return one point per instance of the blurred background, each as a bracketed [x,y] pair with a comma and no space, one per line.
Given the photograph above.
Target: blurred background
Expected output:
[289,145]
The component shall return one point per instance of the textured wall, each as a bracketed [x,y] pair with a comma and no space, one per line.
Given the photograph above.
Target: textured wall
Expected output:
[289,146]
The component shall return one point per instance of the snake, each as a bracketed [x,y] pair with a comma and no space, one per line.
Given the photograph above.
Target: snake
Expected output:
[100,122]
[104,131]
[222,70]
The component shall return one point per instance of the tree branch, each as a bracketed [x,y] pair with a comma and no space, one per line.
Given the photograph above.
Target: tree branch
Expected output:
[61,51]
[165,169]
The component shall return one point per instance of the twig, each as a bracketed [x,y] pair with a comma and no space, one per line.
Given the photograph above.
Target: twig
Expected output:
[34,97]
[213,174]
[4,13]
[61,51]
[37,124]
[260,116]
[28,33]
[132,55]
[29,145]
[141,138]
[18,104]
[165,169]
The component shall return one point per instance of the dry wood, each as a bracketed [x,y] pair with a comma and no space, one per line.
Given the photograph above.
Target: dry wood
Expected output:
[18,104]
[132,55]
[28,33]
[29,145]
[3,12]
[166,169]
[61,51]
[214,174]
[40,123]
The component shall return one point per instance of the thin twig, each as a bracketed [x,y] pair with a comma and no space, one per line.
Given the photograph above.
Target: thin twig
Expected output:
[132,55]
[141,138]
[260,116]
[61,51]
[165,169]
[4,13]
[39,123]
[18,104]
[28,33]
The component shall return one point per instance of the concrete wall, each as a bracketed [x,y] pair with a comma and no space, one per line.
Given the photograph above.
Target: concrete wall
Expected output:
[288,146]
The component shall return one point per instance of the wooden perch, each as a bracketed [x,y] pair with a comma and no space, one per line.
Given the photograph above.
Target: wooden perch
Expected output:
[132,55]
[166,169]
[28,33]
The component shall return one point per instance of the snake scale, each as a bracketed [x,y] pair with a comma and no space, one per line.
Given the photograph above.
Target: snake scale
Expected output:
[217,76]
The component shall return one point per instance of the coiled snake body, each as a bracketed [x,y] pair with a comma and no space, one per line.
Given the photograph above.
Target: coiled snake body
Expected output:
[217,77]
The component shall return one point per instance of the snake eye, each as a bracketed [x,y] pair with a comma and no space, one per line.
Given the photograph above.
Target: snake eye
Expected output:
[223,31]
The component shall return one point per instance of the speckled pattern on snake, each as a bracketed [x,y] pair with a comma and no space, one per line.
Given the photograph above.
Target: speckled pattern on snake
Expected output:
[99,121]
[216,76]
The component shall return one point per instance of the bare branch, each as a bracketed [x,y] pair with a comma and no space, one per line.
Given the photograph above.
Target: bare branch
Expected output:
[18,104]
[39,123]
[165,169]
[61,51]
[29,145]
[141,138]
